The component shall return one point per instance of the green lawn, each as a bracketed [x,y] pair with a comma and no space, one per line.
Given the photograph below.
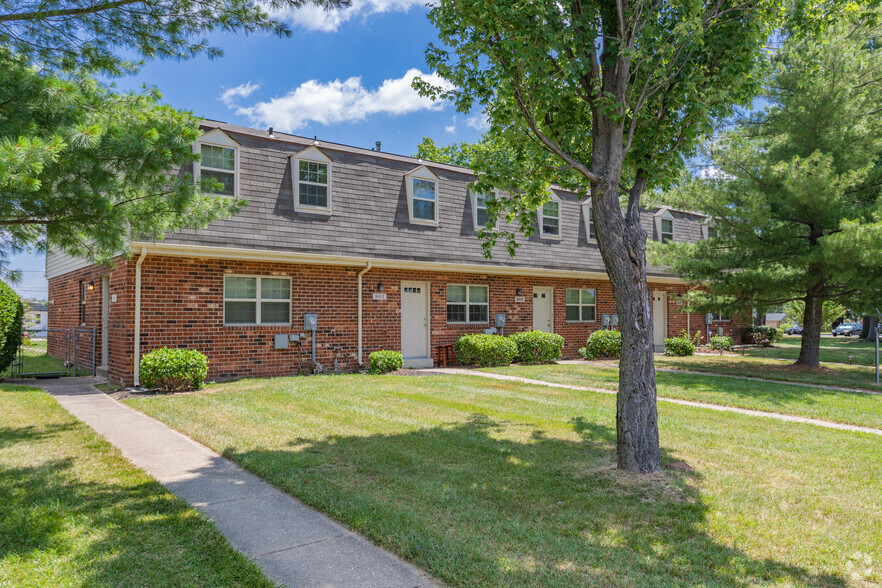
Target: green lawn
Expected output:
[833,349]
[74,512]
[842,407]
[489,483]
[35,359]
[847,376]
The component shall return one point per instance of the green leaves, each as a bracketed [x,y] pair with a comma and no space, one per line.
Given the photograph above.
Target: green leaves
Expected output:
[90,169]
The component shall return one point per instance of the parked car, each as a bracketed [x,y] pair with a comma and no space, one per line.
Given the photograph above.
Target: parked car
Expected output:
[847,330]
[794,330]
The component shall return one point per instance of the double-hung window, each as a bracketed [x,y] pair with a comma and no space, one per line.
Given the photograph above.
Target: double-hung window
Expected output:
[549,220]
[479,206]
[711,232]
[311,174]
[468,304]
[421,185]
[718,317]
[257,300]
[219,164]
[581,305]
[588,216]
[667,230]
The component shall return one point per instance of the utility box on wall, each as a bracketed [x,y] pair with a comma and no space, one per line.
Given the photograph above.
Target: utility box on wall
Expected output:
[310,322]
[281,341]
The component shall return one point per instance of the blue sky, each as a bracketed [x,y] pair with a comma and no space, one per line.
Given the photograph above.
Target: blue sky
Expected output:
[343,76]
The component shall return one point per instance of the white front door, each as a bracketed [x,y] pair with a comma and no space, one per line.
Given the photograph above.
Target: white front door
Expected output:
[659,317]
[414,319]
[543,305]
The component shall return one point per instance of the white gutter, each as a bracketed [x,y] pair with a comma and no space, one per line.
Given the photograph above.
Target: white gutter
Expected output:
[210,252]
[137,371]
[360,274]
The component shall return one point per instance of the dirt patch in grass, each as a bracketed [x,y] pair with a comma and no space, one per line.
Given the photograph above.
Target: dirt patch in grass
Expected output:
[792,367]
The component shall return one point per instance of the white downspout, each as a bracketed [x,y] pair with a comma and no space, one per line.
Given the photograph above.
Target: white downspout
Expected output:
[360,274]
[137,379]
[689,314]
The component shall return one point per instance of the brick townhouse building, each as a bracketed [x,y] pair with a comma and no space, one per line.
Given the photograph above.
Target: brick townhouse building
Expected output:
[350,250]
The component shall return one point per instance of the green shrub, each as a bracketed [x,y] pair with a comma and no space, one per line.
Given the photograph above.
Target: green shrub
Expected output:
[171,370]
[385,361]
[11,318]
[681,346]
[721,343]
[603,345]
[538,346]
[485,350]
[756,335]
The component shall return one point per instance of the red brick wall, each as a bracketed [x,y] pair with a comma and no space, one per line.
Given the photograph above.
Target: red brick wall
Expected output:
[182,306]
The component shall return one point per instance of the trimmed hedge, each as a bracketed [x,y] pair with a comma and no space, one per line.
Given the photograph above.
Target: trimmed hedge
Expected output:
[721,343]
[171,370]
[603,345]
[756,335]
[11,318]
[385,361]
[485,350]
[538,346]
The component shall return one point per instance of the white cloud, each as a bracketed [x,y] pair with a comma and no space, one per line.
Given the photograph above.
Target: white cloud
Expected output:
[229,96]
[712,172]
[343,101]
[314,18]
[478,122]
[451,128]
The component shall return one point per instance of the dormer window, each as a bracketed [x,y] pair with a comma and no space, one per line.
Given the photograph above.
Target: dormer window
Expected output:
[422,196]
[549,218]
[708,229]
[479,209]
[588,217]
[219,161]
[311,175]
[664,225]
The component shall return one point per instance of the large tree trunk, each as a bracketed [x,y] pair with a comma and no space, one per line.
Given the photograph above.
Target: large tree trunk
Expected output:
[868,331]
[622,244]
[810,349]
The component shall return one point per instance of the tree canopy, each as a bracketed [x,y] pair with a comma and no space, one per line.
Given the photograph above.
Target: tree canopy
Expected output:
[795,197]
[603,98]
[97,34]
[90,168]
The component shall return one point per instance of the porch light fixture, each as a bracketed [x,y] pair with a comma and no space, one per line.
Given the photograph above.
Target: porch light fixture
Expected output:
[518,292]
[380,286]
[91,286]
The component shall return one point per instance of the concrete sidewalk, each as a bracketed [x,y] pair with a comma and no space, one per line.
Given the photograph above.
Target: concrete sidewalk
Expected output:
[295,545]
[718,407]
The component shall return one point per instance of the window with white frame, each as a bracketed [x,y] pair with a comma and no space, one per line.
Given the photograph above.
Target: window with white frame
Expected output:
[711,232]
[588,216]
[667,230]
[311,175]
[422,196]
[581,305]
[257,300]
[219,164]
[468,304]
[549,220]
[718,317]
[479,206]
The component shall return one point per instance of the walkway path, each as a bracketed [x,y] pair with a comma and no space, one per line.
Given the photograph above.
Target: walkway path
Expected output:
[759,413]
[295,545]
[713,375]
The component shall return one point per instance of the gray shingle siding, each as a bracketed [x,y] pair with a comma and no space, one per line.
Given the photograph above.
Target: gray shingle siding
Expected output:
[370,216]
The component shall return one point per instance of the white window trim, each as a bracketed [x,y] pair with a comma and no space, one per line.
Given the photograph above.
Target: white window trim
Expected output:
[664,213]
[580,305]
[723,318]
[705,225]
[539,218]
[256,301]
[421,173]
[314,155]
[468,304]
[474,197]
[586,218]
[218,138]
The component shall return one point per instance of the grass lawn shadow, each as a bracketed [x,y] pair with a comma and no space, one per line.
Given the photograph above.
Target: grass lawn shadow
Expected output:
[485,502]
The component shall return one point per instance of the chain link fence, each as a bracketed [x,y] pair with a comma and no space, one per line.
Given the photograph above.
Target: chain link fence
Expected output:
[47,353]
